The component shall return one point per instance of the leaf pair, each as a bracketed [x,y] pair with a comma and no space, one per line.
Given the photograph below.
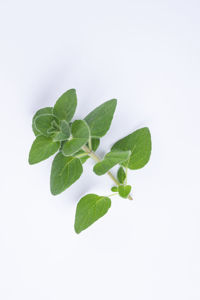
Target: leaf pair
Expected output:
[123,190]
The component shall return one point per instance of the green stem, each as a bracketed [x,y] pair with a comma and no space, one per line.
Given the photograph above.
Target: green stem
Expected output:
[97,159]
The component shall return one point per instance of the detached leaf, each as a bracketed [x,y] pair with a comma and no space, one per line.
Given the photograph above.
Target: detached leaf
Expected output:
[65,106]
[80,136]
[121,175]
[64,172]
[110,160]
[42,111]
[43,123]
[99,120]
[139,143]
[89,209]
[124,190]
[42,148]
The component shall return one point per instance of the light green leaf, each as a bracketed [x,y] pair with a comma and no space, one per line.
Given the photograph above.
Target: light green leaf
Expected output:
[89,209]
[110,160]
[65,106]
[124,190]
[99,120]
[64,172]
[42,111]
[139,143]
[114,189]
[43,123]
[42,148]
[121,175]
[80,136]
[64,132]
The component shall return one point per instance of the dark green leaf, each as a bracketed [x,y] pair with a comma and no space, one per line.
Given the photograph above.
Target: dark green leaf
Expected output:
[43,123]
[80,135]
[124,190]
[139,142]
[99,120]
[64,172]
[65,106]
[42,111]
[121,175]
[42,148]
[89,209]
[110,160]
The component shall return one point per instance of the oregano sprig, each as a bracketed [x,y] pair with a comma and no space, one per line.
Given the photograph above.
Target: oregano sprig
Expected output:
[75,141]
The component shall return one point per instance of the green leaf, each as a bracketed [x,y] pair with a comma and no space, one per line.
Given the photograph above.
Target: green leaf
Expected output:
[42,111]
[110,160]
[124,190]
[89,209]
[65,106]
[64,132]
[114,189]
[99,120]
[42,148]
[121,175]
[80,135]
[64,172]
[139,143]
[43,123]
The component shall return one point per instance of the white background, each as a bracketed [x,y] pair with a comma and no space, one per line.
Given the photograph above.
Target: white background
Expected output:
[147,55]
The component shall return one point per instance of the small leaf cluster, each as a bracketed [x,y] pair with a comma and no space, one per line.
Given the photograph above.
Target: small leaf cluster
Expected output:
[74,141]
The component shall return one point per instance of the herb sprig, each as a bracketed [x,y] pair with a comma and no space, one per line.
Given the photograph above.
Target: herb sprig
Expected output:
[75,142]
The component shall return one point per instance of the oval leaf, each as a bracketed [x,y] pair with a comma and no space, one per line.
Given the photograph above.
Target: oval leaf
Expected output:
[42,148]
[139,143]
[99,120]
[64,172]
[110,160]
[42,111]
[121,175]
[65,106]
[124,190]
[80,136]
[114,189]
[43,123]
[89,209]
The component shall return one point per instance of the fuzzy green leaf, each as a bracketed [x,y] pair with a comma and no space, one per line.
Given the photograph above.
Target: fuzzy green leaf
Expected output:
[139,143]
[124,190]
[42,111]
[64,132]
[80,136]
[121,175]
[43,123]
[64,172]
[42,148]
[99,120]
[89,209]
[110,160]
[65,106]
